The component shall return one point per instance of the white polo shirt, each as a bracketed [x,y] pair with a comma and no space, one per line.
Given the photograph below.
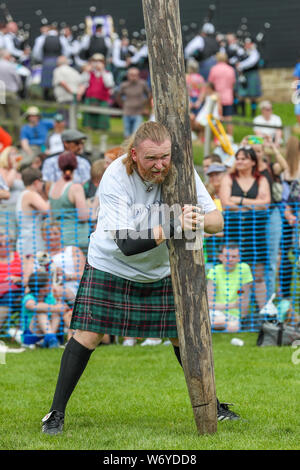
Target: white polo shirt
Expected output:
[273,121]
[125,203]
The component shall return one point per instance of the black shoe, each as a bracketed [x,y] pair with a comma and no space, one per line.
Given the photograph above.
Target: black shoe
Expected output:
[224,413]
[53,422]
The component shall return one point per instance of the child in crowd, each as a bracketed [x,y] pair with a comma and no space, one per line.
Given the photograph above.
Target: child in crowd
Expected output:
[41,313]
[211,105]
[195,86]
[228,289]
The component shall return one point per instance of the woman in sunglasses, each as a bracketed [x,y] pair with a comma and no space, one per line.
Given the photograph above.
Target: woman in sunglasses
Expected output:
[245,195]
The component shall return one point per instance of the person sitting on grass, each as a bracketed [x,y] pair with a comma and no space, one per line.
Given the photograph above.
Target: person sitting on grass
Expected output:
[41,313]
[228,289]
[10,277]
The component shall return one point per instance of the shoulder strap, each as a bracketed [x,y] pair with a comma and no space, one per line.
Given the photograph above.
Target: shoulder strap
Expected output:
[66,187]
[50,190]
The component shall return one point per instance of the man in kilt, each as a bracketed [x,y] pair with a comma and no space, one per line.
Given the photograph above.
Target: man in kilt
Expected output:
[126,286]
[249,84]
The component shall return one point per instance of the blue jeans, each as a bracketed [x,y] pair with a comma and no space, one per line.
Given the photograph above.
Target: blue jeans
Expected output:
[131,124]
[274,237]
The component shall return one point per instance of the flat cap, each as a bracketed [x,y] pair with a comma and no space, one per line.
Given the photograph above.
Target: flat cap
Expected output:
[216,168]
[70,135]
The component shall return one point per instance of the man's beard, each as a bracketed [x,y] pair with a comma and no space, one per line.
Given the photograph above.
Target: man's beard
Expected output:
[155,178]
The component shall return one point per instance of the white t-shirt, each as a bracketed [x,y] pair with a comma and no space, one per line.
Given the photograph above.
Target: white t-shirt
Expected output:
[55,144]
[125,203]
[201,117]
[65,73]
[273,121]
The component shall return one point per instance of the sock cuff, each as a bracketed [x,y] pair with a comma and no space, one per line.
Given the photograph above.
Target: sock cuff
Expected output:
[78,349]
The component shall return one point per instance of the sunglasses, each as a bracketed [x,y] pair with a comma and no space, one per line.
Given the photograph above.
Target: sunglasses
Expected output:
[246,147]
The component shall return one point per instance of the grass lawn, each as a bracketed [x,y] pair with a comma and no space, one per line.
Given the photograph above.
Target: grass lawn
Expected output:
[136,398]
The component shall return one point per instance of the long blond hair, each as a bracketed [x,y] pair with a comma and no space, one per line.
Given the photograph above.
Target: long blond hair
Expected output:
[4,157]
[293,155]
[151,130]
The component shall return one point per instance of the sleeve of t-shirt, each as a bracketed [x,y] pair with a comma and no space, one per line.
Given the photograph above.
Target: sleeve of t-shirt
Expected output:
[211,76]
[246,274]
[5,139]
[26,298]
[121,90]
[24,133]
[211,275]
[256,121]
[56,77]
[115,205]
[48,124]
[50,299]
[203,197]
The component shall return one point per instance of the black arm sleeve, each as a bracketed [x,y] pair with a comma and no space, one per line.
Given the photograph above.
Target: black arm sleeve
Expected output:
[132,242]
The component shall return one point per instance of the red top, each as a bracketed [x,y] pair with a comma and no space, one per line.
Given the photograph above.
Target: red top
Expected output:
[97,89]
[11,269]
[5,139]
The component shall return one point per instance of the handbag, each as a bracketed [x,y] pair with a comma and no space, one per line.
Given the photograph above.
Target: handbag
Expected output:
[277,190]
[277,334]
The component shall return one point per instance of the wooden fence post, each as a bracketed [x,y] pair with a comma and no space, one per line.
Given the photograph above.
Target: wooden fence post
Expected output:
[73,116]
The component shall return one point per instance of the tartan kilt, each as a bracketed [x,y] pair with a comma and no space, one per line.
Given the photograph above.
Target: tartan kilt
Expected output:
[96,121]
[253,88]
[49,64]
[109,304]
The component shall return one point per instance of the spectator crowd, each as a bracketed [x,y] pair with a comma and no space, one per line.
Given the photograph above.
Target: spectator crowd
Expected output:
[48,183]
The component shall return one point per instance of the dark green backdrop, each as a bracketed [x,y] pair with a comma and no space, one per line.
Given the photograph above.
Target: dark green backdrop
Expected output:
[281,49]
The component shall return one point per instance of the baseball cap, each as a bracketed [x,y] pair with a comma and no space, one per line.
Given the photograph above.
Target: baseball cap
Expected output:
[216,168]
[70,135]
[58,117]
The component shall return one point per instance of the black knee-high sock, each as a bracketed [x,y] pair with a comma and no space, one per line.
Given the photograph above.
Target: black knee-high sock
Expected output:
[177,354]
[73,363]
[253,108]
[242,105]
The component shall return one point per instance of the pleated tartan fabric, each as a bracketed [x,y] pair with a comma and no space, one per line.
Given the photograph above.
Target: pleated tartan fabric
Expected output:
[109,304]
